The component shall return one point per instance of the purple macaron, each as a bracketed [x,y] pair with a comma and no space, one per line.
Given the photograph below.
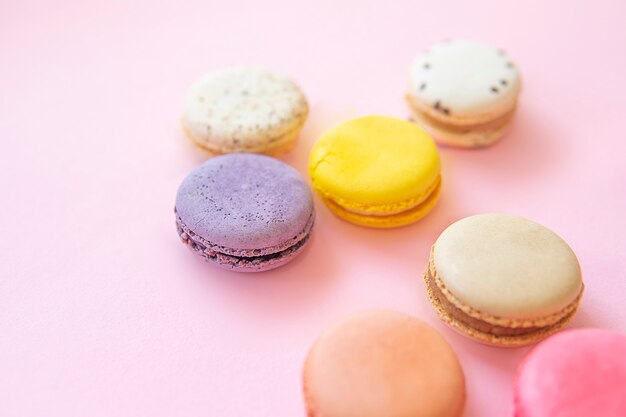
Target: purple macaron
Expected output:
[245,212]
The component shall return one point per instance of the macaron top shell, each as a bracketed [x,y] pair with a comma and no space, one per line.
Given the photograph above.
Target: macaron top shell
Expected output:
[576,373]
[245,201]
[465,79]
[245,105]
[373,162]
[383,363]
[507,266]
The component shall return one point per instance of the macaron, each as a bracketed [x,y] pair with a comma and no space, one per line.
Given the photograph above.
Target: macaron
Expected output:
[244,109]
[245,212]
[503,280]
[377,171]
[463,93]
[382,364]
[576,373]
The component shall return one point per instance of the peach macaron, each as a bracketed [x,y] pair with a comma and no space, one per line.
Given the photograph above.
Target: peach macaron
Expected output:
[383,363]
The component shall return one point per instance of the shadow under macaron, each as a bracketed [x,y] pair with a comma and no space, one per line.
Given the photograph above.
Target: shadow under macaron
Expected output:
[527,153]
[296,285]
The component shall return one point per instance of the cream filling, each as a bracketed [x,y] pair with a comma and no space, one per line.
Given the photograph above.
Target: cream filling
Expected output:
[405,206]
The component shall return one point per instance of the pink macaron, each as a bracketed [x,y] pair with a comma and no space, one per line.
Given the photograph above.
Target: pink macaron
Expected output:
[576,373]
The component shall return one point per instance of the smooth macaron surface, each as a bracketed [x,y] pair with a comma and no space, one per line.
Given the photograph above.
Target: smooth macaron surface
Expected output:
[244,109]
[375,165]
[576,373]
[383,363]
[503,280]
[245,205]
[507,266]
[465,81]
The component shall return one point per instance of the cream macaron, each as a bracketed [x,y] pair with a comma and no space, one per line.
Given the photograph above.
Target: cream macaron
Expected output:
[244,109]
[503,280]
[463,93]
[383,363]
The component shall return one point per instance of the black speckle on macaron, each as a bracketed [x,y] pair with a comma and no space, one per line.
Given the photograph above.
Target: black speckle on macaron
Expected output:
[440,108]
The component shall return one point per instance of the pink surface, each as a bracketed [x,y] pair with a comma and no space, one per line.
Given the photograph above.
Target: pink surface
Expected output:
[576,373]
[104,313]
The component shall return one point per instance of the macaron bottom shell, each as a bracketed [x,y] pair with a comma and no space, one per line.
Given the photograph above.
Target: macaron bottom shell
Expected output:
[515,334]
[466,137]
[272,147]
[246,261]
[403,218]
[468,134]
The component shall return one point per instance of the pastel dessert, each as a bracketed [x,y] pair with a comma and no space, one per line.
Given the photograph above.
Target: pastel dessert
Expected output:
[245,212]
[503,280]
[463,93]
[576,373]
[244,109]
[383,364]
[377,171]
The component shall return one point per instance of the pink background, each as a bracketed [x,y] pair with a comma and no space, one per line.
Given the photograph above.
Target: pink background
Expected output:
[104,313]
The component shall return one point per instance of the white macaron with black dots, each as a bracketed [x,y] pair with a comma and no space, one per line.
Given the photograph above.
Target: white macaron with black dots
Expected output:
[463,92]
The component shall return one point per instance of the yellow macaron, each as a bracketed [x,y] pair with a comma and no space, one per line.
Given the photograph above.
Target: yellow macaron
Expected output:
[377,171]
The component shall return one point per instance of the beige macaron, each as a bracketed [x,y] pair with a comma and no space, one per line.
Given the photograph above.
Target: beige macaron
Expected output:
[503,280]
[383,364]
[464,93]
[244,109]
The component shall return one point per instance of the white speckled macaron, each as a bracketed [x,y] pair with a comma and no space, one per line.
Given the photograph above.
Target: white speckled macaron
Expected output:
[244,109]
[463,93]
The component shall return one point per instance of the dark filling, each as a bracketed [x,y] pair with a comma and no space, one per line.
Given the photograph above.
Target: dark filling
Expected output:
[223,258]
[481,325]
